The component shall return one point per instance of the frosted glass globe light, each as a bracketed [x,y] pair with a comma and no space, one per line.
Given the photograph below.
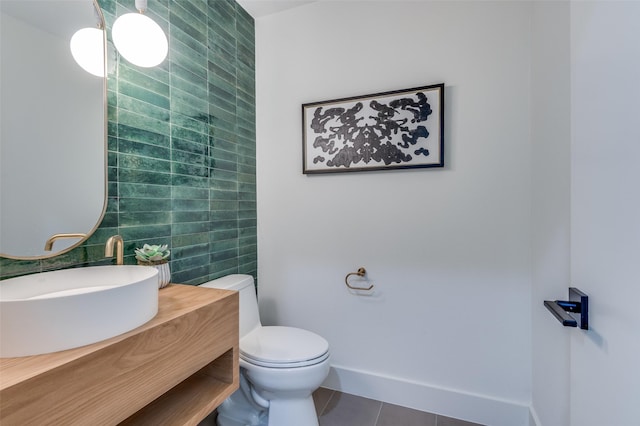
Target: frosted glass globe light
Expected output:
[140,40]
[87,49]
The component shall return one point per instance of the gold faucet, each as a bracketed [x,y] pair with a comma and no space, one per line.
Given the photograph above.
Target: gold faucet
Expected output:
[108,248]
[48,246]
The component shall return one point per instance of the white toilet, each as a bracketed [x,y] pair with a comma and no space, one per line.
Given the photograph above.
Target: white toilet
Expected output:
[280,367]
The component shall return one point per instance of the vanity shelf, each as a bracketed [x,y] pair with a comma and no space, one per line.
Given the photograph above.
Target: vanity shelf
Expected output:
[173,370]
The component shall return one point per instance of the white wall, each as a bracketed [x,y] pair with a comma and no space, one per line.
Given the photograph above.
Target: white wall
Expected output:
[551,171]
[448,328]
[605,211]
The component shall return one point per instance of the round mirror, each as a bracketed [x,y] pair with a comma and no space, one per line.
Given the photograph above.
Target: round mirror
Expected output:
[52,129]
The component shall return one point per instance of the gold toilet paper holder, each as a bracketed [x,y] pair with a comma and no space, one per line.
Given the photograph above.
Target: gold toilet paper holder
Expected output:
[361,273]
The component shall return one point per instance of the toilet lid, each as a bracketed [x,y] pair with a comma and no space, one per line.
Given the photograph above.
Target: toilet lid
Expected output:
[283,347]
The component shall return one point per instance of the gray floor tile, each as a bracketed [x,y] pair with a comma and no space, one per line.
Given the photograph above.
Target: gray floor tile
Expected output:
[320,398]
[350,410]
[448,421]
[395,415]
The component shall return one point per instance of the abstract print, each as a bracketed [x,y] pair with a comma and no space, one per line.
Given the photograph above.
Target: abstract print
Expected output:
[389,130]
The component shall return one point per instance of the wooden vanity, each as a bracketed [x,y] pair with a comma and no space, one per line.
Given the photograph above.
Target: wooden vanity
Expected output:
[173,370]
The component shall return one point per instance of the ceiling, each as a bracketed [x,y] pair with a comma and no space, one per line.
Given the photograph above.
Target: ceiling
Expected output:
[260,8]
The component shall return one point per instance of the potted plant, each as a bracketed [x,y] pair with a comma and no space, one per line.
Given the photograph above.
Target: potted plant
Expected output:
[156,256]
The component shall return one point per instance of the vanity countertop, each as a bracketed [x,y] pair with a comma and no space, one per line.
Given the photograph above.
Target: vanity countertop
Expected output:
[175,369]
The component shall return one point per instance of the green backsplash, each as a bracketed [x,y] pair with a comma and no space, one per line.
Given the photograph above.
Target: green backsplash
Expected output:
[181,147]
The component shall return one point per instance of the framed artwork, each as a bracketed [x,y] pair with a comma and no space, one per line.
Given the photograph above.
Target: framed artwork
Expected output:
[401,129]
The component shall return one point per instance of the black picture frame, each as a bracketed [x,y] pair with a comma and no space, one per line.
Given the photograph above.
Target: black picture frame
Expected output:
[400,129]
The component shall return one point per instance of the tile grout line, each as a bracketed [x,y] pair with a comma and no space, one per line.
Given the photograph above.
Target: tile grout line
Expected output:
[377,419]
[326,404]
[375,423]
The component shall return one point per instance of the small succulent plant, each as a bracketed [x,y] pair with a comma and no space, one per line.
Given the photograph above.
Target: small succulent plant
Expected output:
[152,253]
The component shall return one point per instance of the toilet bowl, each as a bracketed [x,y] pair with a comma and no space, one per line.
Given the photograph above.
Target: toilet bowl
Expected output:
[280,367]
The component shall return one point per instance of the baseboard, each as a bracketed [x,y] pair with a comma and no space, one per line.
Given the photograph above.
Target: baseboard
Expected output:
[420,396]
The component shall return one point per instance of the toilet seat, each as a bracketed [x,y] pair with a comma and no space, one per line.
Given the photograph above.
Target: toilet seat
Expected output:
[283,347]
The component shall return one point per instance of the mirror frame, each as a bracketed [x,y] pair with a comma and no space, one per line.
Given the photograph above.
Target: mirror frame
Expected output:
[105,135]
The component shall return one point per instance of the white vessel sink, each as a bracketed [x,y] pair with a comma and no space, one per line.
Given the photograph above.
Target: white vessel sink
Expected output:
[59,310]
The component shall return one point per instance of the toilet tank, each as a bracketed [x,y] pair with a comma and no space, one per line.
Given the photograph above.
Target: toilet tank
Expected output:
[244,284]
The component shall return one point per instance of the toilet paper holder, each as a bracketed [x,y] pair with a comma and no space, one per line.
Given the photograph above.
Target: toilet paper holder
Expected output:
[361,273]
[578,303]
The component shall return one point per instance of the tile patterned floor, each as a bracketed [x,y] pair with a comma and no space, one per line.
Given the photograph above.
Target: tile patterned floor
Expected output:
[340,409]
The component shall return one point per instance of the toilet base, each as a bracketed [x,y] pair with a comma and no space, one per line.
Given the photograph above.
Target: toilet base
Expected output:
[280,413]
[240,409]
[292,412]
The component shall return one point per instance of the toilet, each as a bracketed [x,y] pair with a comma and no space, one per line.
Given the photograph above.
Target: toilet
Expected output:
[280,367]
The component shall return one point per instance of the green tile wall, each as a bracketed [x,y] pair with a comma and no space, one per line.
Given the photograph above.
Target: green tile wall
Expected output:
[181,147]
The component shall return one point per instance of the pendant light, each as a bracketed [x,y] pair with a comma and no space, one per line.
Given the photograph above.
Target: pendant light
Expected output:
[139,39]
[87,47]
